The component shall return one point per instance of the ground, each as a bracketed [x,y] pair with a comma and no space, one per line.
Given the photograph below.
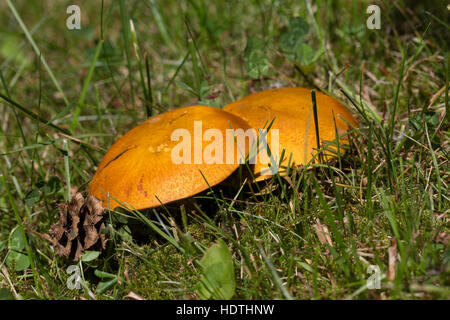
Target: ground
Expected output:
[379,212]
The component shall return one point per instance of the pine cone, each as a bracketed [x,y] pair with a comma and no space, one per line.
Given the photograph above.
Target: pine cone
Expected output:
[79,227]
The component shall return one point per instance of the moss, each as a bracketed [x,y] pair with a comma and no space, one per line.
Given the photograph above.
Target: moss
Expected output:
[175,277]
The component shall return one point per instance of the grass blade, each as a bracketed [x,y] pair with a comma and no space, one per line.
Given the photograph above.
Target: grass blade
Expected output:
[36,50]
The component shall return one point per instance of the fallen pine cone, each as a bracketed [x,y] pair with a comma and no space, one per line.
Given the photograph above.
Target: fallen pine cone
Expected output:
[79,227]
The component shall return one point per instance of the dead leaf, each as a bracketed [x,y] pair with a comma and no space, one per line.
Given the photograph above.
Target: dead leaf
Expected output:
[267,189]
[443,237]
[322,233]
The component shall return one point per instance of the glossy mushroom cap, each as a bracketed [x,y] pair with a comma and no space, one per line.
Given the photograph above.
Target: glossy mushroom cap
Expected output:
[140,168]
[294,118]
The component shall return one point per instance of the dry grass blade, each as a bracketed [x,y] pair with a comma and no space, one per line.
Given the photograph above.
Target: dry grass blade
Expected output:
[392,252]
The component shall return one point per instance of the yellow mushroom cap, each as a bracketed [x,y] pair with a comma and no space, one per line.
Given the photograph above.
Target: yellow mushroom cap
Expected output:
[294,118]
[139,168]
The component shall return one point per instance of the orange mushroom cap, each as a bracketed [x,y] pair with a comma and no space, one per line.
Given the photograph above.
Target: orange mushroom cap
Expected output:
[139,168]
[292,114]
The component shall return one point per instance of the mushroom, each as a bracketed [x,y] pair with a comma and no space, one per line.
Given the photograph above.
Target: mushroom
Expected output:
[291,111]
[150,166]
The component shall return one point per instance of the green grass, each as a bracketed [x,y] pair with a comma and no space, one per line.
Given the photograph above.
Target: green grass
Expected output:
[67,95]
